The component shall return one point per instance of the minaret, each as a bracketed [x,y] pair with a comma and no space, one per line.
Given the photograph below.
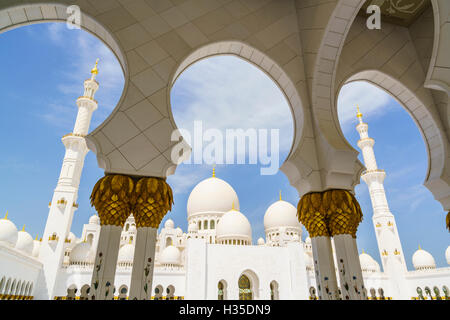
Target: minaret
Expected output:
[389,244]
[64,201]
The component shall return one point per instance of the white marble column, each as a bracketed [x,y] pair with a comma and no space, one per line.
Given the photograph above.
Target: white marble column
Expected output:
[349,267]
[105,263]
[327,288]
[143,264]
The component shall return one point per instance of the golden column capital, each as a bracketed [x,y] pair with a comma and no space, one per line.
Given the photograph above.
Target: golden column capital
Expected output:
[312,215]
[329,213]
[153,199]
[113,198]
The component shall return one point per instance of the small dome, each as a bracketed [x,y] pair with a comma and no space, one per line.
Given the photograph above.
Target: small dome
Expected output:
[8,232]
[132,229]
[308,260]
[308,240]
[24,242]
[170,255]
[368,264]
[82,253]
[126,254]
[423,260]
[193,227]
[169,224]
[234,224]
[36,248]
[212,195]
[179,232]
[95,219]
[261,242]
[281,214]
[447,255]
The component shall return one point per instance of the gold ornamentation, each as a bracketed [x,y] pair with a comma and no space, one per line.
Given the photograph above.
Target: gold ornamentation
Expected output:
[390,224]
[396,252]
[329,213]
[95,70]
[378,225]
[153,199]
[112,198]
[358,114]
[384,253]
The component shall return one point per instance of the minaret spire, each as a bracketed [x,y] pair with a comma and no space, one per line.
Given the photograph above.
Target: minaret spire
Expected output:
[63,204]
[386,231]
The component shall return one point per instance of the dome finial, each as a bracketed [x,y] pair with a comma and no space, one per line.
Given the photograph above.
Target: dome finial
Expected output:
[280,195]
[358,114]
[95,70]
[214,171]
[232,206]
[37,237]
[23,228]
[6,215]
[420,247]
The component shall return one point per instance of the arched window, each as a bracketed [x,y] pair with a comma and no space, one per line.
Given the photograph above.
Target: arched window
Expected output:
[212,224]
[84,292]
[90,238]
[13,287]
[199,225]
[205,224]
[312,293]
[71,292]
[170,292]
[123,292]
[169,241]
[8,284]
[373,294]
[274,295]
[245,291]
[30,290]
[222,290]
[158,292]
[381,293]
[127,226]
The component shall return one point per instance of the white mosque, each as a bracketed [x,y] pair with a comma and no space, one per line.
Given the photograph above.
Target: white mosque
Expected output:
[216,258]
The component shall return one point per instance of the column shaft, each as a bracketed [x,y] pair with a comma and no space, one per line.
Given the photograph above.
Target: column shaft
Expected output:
[105,263]
[325,273]
[143,264]
[349,268]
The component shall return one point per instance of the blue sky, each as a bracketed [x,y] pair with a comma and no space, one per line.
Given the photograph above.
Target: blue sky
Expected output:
[38,104]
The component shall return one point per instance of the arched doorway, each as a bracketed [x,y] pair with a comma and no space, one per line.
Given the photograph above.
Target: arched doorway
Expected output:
[123,292]
[274,293]
[245,288]
[222,290]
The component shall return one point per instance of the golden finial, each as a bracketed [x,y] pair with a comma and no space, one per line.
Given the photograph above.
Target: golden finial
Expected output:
[6,215]
[280,195]
[23,228]
[129,242]
[232,206]
[37,236]
[214,172]
[95,70]
[420,247]
[358,114]
[363,251]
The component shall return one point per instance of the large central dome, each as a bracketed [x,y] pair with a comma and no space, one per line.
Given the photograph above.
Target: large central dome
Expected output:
[212,195]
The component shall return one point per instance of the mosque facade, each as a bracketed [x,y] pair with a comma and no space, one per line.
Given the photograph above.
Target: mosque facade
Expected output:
[216,258]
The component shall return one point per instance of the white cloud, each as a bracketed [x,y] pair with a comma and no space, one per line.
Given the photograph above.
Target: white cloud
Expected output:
[227,92]
[186,177]
[372,101]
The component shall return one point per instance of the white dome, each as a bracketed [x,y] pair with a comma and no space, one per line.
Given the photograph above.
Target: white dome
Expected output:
[423,260]
[126,254]
[234,224]
[170,255]
[95,219]
[212,195]
[8,232]
[179,231]
[281,214]
[368,264]
[261,242]
[447,254]
[169,224]
[24,242]
[82,253]
[36,248]
[193,227]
